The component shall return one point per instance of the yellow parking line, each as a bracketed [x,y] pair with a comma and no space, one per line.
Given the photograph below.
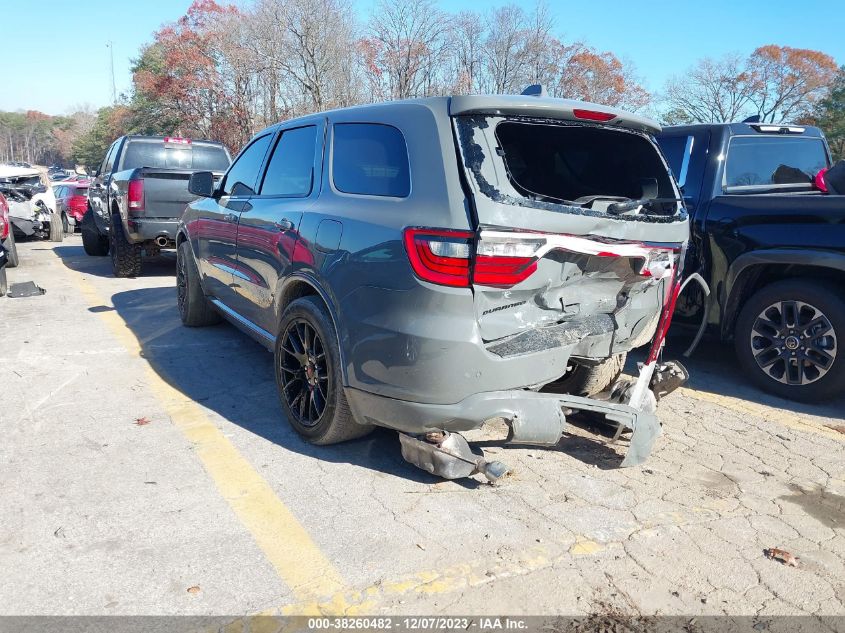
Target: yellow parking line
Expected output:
[788,419]
[286,544]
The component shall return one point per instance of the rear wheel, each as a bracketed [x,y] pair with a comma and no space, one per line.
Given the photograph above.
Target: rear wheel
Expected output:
[125,256]
[308,375]
[94,244]
[787,339]
[588,380]
[11,250]
[194,308]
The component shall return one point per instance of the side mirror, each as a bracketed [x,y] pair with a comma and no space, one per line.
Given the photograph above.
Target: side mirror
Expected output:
[201,184]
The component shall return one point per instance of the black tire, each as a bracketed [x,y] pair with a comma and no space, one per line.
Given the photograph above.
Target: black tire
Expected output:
[67,227]
[195,310]
[788,339]
[11,250]
[94,244]
[125,257]
[333,422]
[588,380]
[4,286]
[57,233]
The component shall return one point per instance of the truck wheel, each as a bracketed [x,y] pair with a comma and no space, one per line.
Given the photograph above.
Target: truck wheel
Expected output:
[194,308]
[94,244]
[57,233]
[125,257]
[787,339]
[11,250]
[308,375]
[4,286]
[588,380]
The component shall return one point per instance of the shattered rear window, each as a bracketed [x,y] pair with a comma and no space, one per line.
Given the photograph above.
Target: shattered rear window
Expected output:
[568,166]
[569,163]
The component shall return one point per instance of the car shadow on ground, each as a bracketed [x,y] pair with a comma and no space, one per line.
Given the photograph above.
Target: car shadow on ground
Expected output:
[714,368]
[227,372]
[74,257]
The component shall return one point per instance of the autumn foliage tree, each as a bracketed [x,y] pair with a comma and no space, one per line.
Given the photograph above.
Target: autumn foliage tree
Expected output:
[777,83]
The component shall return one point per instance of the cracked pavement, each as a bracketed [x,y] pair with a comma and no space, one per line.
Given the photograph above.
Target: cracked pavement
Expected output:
[104,516]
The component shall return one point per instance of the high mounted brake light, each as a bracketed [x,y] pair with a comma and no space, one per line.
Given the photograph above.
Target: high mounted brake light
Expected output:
[175,140]
[136,195]
[778,129]
[593,115]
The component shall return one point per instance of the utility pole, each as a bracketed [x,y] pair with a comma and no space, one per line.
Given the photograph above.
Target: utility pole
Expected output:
[110,46]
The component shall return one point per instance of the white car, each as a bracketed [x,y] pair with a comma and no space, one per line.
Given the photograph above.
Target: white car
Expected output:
[32,202]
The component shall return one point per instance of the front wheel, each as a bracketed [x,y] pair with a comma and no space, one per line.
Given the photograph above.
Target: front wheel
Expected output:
[194,308]
[11,250]
[94,244]
[308,375]
[57,232]
[787,339]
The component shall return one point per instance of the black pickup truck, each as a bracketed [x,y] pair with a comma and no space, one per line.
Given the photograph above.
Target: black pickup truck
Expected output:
[138,194]
[771,246]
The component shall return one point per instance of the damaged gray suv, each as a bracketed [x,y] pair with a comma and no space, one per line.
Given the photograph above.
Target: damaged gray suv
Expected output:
[429,265]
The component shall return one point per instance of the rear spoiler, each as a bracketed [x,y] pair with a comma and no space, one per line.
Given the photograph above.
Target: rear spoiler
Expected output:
[549,108]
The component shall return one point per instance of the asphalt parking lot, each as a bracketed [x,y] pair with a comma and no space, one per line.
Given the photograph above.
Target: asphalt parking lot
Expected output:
[145,468]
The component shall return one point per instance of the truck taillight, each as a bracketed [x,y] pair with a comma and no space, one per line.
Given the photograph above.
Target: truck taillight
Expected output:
[440,256]
[136,195]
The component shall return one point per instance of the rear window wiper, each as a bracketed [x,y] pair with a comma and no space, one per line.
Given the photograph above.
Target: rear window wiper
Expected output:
[622,207]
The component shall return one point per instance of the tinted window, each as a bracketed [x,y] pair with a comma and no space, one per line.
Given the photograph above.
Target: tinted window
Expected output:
[677,150]
[370,159]
[157,154]
[241,179]
[108,162]
[291,168]
[773,160]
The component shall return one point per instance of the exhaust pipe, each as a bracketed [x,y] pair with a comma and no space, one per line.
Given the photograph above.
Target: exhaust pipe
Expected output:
[162,241]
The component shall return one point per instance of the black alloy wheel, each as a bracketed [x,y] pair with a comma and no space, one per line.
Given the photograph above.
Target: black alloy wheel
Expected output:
[304,372]
[793,342]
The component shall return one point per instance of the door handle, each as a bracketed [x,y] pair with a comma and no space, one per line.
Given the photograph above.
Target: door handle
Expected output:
[230,217]
[284,224]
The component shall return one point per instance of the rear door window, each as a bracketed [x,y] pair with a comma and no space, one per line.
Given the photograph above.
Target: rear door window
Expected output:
[370,159]
[766,161]
[290,172]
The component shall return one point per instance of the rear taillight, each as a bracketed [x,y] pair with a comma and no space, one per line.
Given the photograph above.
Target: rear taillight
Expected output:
[78,204]
[136,195]
[4,218]
[506,260]
[440,256]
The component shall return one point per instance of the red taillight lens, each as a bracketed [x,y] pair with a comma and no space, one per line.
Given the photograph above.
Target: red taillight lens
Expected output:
[4,218]
[593,115]
[78,204]
[502,272]
[440,256]
[136,195]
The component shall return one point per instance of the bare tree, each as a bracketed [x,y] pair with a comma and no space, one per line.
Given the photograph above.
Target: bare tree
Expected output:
[466,37]
[404,49]
[712,91]
[505,56]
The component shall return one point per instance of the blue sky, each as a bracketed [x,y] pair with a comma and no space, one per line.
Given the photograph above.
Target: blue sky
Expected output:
[59,58]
